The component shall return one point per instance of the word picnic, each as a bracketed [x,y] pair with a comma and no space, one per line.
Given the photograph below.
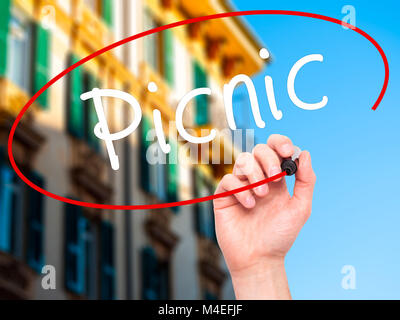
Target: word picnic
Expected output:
[102,131]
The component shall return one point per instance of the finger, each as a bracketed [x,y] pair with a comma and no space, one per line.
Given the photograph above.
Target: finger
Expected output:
[304,185]
[228,183]
[268,160]
[282,145]
[247,168]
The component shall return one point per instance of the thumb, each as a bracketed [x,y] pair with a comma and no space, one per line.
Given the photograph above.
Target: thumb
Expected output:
[304,185]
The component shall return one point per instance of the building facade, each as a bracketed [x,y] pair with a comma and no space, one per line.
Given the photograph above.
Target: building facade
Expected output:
[101,254]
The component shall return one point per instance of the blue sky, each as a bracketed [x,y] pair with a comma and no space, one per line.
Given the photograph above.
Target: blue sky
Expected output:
[355,151]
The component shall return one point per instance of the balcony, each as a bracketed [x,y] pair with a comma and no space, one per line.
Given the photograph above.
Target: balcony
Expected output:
[12,98]
[16,278]
[90,24]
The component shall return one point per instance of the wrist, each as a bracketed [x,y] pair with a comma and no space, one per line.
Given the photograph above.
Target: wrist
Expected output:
[258,269]
[265,279]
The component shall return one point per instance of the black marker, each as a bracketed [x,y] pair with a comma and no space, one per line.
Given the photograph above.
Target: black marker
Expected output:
[289,165]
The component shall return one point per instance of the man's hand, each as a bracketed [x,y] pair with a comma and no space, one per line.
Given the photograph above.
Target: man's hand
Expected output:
[256,228]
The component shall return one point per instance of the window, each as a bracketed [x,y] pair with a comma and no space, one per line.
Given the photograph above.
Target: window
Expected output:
[25,51]
[144,145]
[4,27]
[90,240]
[151,42]
[159,50]
[103,8]
[75,110]
[6,203]
[35,252]
[163,276]
[76,224]
[19,50]
[201,101]
[205,217]
[159,179]
[81,256]
[90,115]
[204,212]
[17,205]
[158,173]
[155,173]
[81,115]
[169,56]
[155,276]
[152,176]
[107,12]
[173,174]
[41,60]
[107,262]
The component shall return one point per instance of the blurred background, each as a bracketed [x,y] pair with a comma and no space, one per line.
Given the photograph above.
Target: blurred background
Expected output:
[100,254]
[173,253]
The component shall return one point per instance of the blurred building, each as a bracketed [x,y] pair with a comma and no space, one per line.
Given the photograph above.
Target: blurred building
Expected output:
[98,254]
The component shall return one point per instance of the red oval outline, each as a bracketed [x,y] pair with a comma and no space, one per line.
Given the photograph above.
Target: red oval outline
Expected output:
[155,30]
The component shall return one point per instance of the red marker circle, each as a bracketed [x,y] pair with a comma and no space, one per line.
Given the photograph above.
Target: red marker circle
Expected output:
[159,29]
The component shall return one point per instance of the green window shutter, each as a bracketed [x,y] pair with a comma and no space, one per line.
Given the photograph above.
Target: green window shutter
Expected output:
[92,121]
[107,261]
[6,199]
[91,247]
[41,63]
[75,116]
[169,56]
[91,115]
[35,252]
[154,173]
[4,22]
[160,178]
[150,42]
[76,224]
[151,54]
[146,127]
[197,185]
[144,145]
[3,155]
[173,174]
[201,101]
[204,219]
[150,276]
[107,12]
[164,276]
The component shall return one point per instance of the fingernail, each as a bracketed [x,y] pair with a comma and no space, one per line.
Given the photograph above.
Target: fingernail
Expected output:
[250,201]
[274,170]
[287,149]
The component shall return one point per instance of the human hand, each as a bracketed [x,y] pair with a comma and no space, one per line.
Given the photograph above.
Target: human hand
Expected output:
[256,228]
